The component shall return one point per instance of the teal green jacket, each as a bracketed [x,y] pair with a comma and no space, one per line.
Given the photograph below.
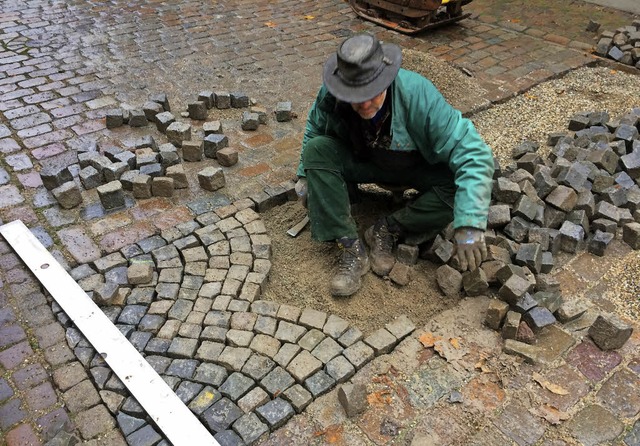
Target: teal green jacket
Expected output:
[422,120]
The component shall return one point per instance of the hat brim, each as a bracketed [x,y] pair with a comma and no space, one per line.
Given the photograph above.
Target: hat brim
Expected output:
[362,93]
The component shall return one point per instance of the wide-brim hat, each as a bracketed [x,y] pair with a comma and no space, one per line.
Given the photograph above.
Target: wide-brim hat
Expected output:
[362,68]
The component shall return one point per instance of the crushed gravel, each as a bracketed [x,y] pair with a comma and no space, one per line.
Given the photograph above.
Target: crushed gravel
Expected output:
[548,107]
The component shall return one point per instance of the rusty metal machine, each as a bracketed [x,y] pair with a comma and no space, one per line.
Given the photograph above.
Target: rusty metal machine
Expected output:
[410,16]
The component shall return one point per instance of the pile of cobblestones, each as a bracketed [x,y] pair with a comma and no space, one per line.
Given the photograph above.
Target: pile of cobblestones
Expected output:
[189,301]
[582,196]
[621,45]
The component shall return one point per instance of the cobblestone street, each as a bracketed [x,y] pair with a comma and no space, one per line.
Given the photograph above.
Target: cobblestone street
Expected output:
[254,371]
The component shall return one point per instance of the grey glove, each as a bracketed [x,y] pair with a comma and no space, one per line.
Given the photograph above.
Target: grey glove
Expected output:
[471,249]
[301,190]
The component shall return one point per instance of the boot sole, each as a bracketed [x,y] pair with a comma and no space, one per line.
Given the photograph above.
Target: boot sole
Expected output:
[356,287]
[369,239]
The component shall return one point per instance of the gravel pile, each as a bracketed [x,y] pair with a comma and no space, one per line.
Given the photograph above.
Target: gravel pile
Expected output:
[548,107]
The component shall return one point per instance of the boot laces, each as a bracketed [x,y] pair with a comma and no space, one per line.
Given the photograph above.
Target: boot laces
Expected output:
[350,258]
[384,239]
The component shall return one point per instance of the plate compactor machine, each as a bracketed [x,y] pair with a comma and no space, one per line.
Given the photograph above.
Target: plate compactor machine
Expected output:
[410,16]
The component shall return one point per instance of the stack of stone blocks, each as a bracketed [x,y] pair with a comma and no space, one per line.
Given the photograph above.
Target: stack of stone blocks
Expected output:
[621,45]
[582,196]
[189,301]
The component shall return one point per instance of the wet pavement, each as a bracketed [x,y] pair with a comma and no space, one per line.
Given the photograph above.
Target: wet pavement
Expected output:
[65,65]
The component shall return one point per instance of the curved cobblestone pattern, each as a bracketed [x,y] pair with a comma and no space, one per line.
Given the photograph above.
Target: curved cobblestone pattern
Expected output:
[189,301]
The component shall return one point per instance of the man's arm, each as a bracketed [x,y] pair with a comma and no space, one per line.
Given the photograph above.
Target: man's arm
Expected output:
[455,140]
[316,126]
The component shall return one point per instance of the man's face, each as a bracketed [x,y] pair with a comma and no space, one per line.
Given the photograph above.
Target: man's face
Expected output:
[368,109]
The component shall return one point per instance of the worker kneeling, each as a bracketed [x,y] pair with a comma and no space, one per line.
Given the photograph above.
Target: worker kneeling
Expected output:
[373,122]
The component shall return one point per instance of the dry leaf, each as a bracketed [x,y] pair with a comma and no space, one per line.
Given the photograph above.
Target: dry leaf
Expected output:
[448,351]
[553,388]
[308,17]
[455,342]
[550,413]
[379,398]
[515,20]
[428,339]
[332,434]
[270,24]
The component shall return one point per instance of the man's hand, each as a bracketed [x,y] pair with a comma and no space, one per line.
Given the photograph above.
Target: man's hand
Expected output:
[301,190]
[471,249]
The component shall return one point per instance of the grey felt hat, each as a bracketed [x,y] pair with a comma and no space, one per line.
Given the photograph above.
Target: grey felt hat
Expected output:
[362,68]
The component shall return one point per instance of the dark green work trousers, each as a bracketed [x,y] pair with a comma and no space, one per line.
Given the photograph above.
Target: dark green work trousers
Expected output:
[330,165]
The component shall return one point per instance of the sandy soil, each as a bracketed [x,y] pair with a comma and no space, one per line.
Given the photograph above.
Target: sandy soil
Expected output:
[302,269]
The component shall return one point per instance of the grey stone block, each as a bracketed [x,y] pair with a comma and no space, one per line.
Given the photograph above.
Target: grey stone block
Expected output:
[211,178]
[250,121]
[164,120]
[276,412]
[298,397]
[141,186]
[192,150]
[178,132]
[68,195]
[250,428]
[162,187]
[506,191]
[151,109]
[162,99]
[153,170]
[212,127]
[530,255]
[221,415]
[236,385]
[214,142]
[283,111]
[90,177]
[609,332]
[475,282]
[496,312]
[538,318]
[227,157]
[319,383]
[207,98]
[353,398]
[111,195]
[277,381]
[571,237]
[114,118]
[197,110]
[223,99]
[137,118]
[449,280]
[239,99]
[631,234]
[178,175]
[55,175]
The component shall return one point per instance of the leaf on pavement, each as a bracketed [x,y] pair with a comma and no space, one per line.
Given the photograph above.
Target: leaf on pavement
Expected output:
[550,413]
[553,388]
[428,339]
[380,398]
[270,24]
[447,350]
[309,17]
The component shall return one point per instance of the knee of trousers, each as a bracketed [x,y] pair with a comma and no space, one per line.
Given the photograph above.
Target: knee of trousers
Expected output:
[323,152]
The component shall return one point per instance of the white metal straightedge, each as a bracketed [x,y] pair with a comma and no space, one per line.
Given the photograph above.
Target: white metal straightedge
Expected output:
[177,422]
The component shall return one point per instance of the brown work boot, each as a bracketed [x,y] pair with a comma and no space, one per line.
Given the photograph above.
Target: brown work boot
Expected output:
[381,241]
[353,265]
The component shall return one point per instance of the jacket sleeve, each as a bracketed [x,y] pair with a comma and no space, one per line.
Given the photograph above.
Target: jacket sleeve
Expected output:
[316,126]
[454,139]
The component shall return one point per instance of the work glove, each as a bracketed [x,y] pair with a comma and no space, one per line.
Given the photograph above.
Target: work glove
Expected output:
[301,191]
[471,249]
